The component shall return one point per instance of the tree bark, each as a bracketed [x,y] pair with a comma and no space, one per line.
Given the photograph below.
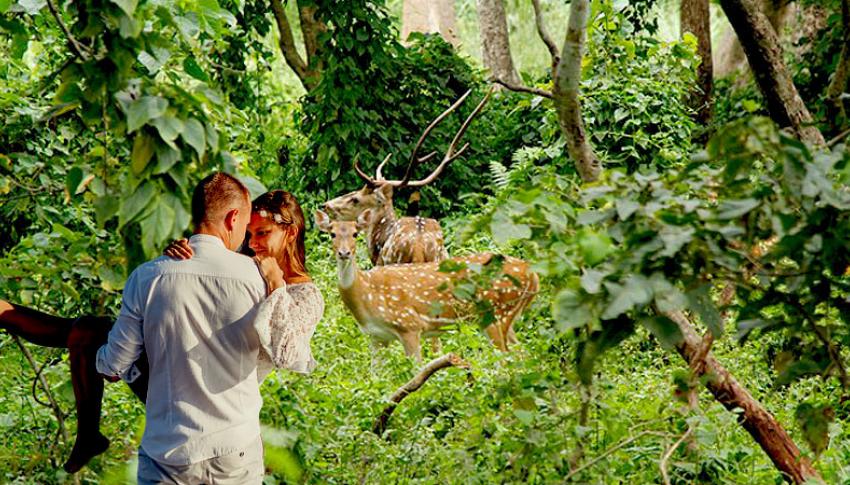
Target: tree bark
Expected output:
[694,17]
[566,89]
[838,86]
[761,425]
[429,16]
[495,43]
[308,72]
[764,54]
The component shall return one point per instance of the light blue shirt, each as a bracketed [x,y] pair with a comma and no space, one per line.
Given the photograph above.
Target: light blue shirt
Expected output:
[194,318]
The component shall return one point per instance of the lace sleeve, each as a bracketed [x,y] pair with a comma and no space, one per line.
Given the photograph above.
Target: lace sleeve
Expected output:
[285,324]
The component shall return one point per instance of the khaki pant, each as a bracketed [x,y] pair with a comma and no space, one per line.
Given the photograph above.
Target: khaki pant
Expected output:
[243,466]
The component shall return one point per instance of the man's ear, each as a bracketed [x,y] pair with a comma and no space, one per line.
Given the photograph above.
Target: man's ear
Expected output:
[364,220]
[323,221]
[231,218]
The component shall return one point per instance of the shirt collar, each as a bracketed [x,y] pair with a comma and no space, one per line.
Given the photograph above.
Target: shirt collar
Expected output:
[206,239]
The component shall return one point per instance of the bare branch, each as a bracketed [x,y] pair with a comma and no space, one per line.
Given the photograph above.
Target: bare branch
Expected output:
[544,35]
[80,50]
[57,411]
[448,360]
[523,89]
[669,452]
[838,138]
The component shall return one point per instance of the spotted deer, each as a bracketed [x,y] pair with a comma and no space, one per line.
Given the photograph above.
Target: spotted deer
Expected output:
[395,240]
[405,302]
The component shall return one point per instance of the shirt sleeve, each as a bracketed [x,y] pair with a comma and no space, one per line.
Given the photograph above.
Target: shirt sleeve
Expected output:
[126,339]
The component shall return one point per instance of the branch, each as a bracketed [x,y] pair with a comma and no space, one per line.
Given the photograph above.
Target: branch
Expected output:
[287,45]
[544,35]
[60,416]
[448,360]
[520,88]
[80,50]
[310,31]
[667,454]
[838,138]
[608,453]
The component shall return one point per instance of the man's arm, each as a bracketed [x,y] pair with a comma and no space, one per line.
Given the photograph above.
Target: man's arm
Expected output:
[126,339]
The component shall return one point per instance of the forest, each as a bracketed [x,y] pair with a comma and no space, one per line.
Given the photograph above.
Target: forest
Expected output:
[675,174]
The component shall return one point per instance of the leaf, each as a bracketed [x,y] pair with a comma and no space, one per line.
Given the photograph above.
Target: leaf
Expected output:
[451,266]
[255,187]
[594,247]
[700,302]
[169,127]
[814,421]
[157,226]
[569,311]
[732,209]
[143,147]
[635,291]
[104,208]
[72,182]
[591,280]
[166,157]
[144,109]
[504,229]
[30,7]
[626,207]
[193,133]
[128,6]
[132,206]
[665,330]
[110,279]
[190,65]
[674,238]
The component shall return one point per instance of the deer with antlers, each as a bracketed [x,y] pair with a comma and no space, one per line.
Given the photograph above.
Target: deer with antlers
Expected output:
[405,302]
[395,240]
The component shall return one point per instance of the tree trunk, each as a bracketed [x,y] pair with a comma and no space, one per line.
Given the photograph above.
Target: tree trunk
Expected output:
[567,81]
[761,425]
[694,17]
[429,16]
[308,70]
[838,86]
[495,44]
[761,45]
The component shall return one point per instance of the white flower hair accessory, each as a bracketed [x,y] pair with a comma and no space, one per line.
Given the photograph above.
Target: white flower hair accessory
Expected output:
[265,214]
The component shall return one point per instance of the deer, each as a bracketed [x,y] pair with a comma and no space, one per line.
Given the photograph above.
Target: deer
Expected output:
[395,240]
[406,302]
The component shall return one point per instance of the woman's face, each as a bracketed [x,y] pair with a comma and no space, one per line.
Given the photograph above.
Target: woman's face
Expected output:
[267,238]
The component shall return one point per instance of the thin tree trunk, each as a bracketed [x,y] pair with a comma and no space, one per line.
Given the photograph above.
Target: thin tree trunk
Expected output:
[761,425]
[839,84]
[694,17]
[307,72]
[495,43]
[429,16]
[761,45]
[567,81]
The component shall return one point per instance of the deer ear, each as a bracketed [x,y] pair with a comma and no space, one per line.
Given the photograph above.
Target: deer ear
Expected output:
[385,193]
[364,219]
[323,221]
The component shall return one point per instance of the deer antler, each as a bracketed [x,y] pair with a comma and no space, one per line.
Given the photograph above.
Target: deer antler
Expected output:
[450,153]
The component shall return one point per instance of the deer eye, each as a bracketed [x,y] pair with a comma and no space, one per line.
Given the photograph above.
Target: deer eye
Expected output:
[355,200]
[333,234]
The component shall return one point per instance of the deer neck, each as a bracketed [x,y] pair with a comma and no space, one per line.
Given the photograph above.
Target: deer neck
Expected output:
[381,230]
[352,287]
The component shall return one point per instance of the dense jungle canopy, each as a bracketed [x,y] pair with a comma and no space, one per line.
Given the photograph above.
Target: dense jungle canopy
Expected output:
[675,171]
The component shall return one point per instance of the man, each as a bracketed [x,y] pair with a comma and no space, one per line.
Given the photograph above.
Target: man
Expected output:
[194,319]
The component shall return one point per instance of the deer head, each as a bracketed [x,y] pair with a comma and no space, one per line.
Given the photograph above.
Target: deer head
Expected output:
[377,192]
[344,235]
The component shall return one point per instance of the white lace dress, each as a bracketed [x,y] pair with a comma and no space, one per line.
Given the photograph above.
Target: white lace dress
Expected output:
[285,324]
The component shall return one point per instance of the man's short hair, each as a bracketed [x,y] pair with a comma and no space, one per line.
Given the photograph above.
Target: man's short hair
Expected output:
[217,194]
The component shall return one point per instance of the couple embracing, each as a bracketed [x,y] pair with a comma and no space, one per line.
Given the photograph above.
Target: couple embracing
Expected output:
[203,326]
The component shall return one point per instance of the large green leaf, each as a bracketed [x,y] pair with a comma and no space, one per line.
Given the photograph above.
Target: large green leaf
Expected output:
[569,311]
[169,127]
[504,229]
[700,302]
[635,291]
[143,148]
[143,110]
[133,205]
[128,6]
[158,226]
[190,65]
[193,133]
[665,330]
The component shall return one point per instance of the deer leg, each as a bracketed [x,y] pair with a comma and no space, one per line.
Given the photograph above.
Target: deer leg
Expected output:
[436,346]
[494,331]
[410,342]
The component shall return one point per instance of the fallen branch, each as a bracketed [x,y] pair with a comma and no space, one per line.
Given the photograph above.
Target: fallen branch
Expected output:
[669,452]
[448,360]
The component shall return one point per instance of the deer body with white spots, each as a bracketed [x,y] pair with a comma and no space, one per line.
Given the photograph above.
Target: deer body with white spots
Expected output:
[405,302]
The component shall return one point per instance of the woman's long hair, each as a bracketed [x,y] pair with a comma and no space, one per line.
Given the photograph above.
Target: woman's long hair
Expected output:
[283,203]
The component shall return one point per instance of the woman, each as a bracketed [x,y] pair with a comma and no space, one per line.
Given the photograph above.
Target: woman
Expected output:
[285,321]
